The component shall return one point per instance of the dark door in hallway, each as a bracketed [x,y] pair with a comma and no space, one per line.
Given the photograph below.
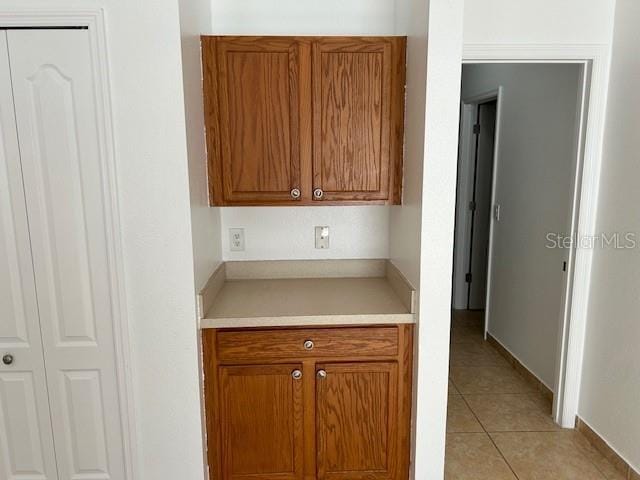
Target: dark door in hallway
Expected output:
[484,133]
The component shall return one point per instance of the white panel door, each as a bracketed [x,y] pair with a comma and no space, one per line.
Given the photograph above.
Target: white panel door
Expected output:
[58,131]
[26,443]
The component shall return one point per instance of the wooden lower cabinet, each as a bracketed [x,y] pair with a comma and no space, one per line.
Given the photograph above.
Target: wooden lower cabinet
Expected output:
[261,422]
[335,416]
[356,421]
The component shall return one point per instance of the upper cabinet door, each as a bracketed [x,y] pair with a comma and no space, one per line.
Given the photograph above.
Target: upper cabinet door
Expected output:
[358,96]
[357,421]
[256,115]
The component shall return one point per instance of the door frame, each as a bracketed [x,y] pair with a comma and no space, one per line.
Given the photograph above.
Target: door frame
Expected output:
[93,20]
[468,112]
[595,61]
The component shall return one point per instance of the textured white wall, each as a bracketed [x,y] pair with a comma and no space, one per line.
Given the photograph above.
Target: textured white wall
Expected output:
[536,158]
[276,233]
[151,154]
[611,371]
[539,21]
[309,17]
[287,232]
[421,233]
[195,18]
[143,42]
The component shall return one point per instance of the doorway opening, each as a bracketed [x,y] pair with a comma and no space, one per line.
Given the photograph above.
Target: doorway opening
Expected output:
[519,178]
[474,201]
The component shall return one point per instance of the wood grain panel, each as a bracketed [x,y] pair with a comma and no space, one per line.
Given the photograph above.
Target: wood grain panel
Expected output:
[261,428]
[351,121]
[304,112]
[357,421]
[398,85]
[309,385]
[328,342]
[405,399]
[253,93]
[259,156]
[357,85]
[211,403]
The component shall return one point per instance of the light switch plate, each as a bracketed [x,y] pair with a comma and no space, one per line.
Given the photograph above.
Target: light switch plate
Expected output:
[322,237]
[496,212]
[236,239]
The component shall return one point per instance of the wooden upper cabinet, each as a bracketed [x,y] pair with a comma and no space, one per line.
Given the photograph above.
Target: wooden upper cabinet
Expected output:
[261,427]
[357,421]
[304,120]
[358,95]
[254,112]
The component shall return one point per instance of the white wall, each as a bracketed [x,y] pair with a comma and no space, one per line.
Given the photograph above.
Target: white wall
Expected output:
[151,155]
[143,41]
[538,22]
[195,19]
[276,233]
[536,160]
[421,230]
[308,17]
[611,370]
[405,220]
[287,232]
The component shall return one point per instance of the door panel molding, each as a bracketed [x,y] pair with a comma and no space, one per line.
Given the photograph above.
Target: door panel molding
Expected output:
[93,19]
[56,117]
[84,414]
[26,438]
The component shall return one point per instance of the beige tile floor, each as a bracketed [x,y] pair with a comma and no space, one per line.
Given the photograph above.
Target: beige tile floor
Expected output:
[499,427]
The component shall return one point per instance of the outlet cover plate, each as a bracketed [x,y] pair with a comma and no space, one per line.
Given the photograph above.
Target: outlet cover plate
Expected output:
[236,239]
[322,237]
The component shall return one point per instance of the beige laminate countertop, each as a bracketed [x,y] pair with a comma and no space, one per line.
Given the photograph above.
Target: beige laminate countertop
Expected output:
[268,302]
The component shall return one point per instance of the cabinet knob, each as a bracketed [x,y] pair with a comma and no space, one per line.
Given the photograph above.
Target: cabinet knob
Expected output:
[296,374]
[321,374]
[318,193]
[7,359]
[308,344]
[295,193]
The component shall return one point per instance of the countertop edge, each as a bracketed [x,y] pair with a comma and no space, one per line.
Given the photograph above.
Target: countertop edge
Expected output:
[309,320]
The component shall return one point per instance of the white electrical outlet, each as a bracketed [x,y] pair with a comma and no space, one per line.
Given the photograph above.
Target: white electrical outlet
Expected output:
[322,237]
[236,239]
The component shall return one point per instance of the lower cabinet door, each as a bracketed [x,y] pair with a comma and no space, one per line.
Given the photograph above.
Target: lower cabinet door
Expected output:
[357,421]
[261,422]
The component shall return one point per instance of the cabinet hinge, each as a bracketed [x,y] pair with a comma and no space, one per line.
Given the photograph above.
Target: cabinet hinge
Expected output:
[467,277]
[472,206]
[476,129]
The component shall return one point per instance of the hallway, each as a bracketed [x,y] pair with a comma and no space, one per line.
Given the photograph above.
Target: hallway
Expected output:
[499,426]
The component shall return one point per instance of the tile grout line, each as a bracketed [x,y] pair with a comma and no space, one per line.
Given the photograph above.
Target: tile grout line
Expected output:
[489,436]
[503,457]
[604,476]
[511,366]
[482,425]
